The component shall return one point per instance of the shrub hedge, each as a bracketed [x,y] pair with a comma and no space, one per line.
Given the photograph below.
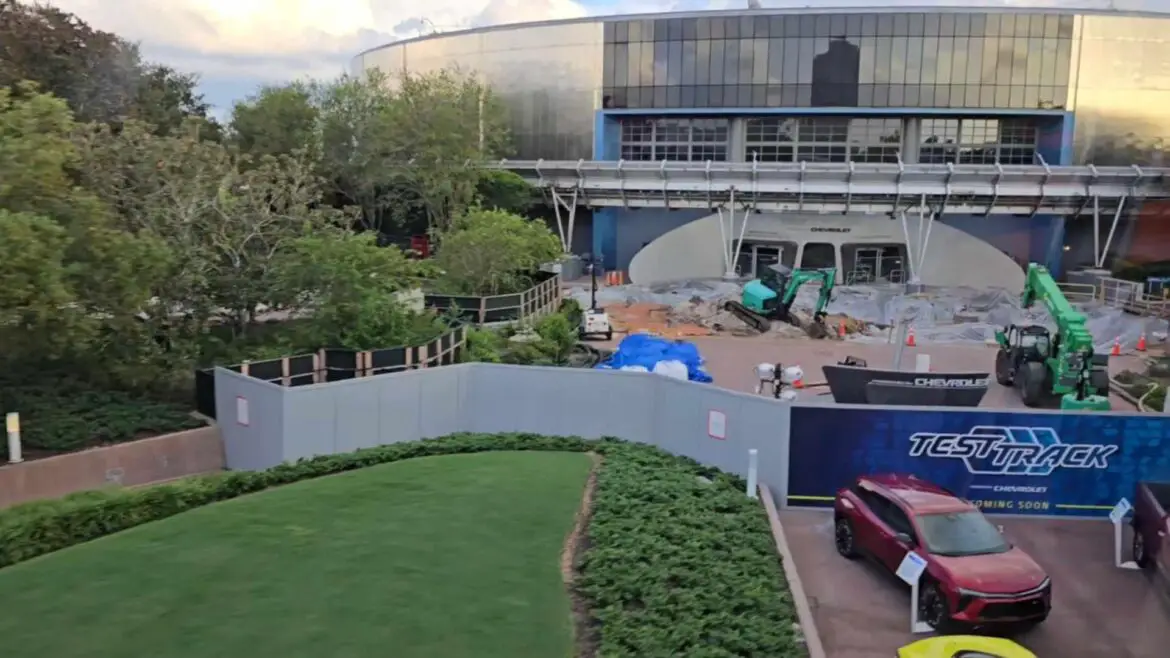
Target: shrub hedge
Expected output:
[679,561]
[59,414]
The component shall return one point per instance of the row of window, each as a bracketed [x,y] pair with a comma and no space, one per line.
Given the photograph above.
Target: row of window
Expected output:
[953,153]
[831,139]
[926,96]
[866,130]
[943,24]
[1005,61]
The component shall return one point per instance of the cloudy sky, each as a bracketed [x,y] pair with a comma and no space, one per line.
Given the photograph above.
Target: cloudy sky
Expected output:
[236,45]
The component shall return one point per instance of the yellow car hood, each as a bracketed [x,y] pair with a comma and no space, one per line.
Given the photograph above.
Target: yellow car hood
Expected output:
[950,646]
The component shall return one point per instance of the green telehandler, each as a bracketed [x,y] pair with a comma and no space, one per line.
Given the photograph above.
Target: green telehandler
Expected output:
[1046,367]
[770,298]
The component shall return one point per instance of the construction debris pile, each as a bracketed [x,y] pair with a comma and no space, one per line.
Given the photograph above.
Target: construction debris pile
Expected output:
[868,313]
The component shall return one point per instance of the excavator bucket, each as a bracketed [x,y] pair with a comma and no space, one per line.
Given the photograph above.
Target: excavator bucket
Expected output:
[815,328]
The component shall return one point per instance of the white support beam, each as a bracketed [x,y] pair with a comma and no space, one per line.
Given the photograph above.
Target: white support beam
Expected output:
[731,241]
[1097,256]
[910,263]
[1112,230]
[569,205]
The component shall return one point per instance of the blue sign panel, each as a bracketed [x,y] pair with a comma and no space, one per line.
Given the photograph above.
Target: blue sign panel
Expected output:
[1008,462]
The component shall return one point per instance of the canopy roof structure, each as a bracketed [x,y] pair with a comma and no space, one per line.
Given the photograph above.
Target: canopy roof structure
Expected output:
[843,187]
[733,189]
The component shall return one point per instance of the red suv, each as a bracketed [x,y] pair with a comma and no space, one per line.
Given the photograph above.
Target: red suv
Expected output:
[973,577]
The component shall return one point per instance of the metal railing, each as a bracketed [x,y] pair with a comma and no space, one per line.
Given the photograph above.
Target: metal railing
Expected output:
[863,275]
[1132,297]
[841,187]
[1078,293]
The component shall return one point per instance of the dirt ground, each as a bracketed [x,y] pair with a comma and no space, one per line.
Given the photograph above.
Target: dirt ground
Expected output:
[732,361]
[1098,610]
[576,543]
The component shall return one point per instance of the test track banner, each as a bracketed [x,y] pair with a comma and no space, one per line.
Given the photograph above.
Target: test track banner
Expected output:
[1074,464]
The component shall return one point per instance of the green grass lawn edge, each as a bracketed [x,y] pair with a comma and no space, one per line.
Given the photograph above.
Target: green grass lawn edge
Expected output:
[679,561]
[457,556]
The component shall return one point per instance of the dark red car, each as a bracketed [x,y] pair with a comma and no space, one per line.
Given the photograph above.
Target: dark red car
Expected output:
[973,577]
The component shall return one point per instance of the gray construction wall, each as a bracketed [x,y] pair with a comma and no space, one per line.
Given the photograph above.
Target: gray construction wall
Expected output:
[255,441]
[360,413]
[344,416]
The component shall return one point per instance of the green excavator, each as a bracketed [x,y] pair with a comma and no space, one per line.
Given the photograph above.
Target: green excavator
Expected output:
[1046,367]
[770,298]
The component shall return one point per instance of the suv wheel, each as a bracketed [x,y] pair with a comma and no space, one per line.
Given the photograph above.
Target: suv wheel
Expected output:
[844,539]
[933,608]
[1139,549]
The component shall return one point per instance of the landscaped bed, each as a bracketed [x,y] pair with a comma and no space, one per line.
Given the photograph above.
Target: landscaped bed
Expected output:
[60,414]
[447,556]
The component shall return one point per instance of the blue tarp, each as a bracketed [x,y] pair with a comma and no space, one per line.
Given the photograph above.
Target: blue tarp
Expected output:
[647,350]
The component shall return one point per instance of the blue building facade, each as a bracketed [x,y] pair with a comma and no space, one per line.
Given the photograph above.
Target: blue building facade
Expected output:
[930,84]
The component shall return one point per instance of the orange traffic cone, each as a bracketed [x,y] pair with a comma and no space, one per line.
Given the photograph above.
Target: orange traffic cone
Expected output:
[1116,351]
[841,328]
[910,342]
[1141,346]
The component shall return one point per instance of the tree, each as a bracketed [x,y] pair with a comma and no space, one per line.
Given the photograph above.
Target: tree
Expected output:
[168,100]
[72,282]
[505,190]
[443,121]
[355,127]
[399,148]
[37,318]
[350,290]
[225,218]
[101,76]
[35,151]
[276,121]
[492,252]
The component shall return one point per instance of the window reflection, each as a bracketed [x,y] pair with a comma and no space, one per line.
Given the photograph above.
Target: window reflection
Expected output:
[1124,90]
[686,139]
[978,141]
[823,139]
[821,60]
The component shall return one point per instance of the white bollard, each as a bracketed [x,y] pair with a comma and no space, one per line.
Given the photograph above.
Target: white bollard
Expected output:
[753,464]
[14,438]
[921,363]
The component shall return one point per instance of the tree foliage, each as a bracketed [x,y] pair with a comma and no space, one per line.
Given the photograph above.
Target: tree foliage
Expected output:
[398,149]
[136,240]
[493,252]
[358,289]
[277,121]
[100,75]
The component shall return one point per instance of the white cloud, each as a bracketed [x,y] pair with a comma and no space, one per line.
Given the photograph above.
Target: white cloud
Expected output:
[291,38]
[237,43]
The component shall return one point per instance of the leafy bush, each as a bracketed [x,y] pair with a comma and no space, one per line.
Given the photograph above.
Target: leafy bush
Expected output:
[679,561]
[1138,385]
[492,252]
[62,415]
[682,566]
[556,332]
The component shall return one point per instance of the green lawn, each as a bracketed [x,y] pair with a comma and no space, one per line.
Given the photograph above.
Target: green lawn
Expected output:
[439,557]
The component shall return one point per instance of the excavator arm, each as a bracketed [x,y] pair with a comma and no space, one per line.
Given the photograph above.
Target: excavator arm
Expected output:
[827,278]
[1071,359]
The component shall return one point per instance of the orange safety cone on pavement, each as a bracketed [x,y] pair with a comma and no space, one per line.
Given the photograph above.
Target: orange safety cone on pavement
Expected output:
[910,342]
[1141,344]
[1116,351]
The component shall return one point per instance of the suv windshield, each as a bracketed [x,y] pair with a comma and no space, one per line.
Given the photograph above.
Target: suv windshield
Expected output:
[960,533]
